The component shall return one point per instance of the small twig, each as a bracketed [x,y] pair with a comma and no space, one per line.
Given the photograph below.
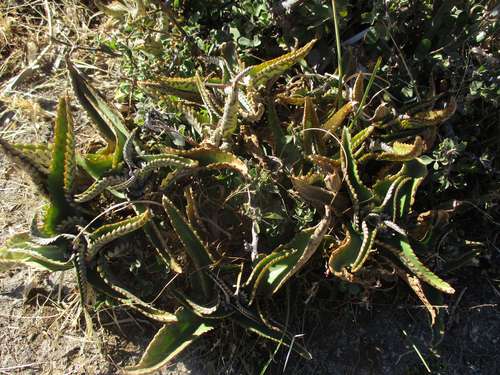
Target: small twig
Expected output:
[290,349]
[49,17]
[494,289]
[59,292]
[166,9]
[17,80]
[22,366]
[412,344]
[216,225]
[73,47]
[413,82]
[165,287]
[32,317]
[454,307]
[402,355]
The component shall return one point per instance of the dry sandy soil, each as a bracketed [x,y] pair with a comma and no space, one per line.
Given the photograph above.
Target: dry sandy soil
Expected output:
[40,335]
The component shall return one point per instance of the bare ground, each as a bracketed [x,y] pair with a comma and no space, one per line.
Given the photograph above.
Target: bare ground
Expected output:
[40,335]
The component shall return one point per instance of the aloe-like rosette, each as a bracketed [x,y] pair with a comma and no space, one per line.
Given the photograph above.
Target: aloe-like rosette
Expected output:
[111,214]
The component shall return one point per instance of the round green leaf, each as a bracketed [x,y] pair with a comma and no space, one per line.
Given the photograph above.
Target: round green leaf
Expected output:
[480,37]
[343,286]
[234,32]
[424,46]
[245,42]
[353,288]
[371,37]
[256,41]
[367,18]
[382,32]
[426,159]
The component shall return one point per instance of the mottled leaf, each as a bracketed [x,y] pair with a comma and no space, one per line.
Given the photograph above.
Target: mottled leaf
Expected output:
[171,339]
[425,119]
[110,123]
[359,192]
[193,244]
[59,208]
[108,233]
[403,151]
[310,121]
[400,246]
[273,271]
[271,333]
[266,71]
[37,173]
[98,283]
[335,120]
[354,249]
[19,250]
[157,239]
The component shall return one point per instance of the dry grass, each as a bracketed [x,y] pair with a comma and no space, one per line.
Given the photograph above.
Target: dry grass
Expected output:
[45,330]
[32,78]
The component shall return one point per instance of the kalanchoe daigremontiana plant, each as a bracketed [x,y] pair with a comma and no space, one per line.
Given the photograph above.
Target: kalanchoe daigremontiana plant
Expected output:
[238,243]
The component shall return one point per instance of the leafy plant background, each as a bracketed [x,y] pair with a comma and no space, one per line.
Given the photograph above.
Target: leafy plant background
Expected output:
[463,171]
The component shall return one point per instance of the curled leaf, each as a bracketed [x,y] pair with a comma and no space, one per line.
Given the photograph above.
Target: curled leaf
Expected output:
[171,339]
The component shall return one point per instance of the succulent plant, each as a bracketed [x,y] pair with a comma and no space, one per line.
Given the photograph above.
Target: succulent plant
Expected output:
[100,204]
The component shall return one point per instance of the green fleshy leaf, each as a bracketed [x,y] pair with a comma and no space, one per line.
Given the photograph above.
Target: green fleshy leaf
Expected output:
[157,240]
[108,120]
[400,246]
[369,234]
[59,208]
[98,283]
[393,199]
[40,154]
[70,157]
[274,270]
[403,151]
[229,121]
[37,173]
[453,264]
[361,136]
[358,191]
[335,119]
[268,70]
[309,121]
[233,64]
[435,298]
[19,249]
[417,170]
[208,158]
[171,339]
[182,84]
[214,311]
[108,233]
[355,244]
[194,246]
[273,334]
[95,165]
